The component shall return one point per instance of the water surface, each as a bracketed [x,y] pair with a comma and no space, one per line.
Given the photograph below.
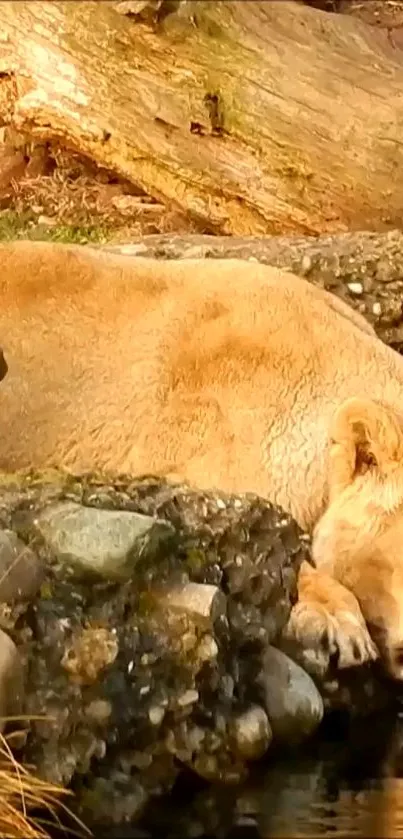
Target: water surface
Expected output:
[348,783]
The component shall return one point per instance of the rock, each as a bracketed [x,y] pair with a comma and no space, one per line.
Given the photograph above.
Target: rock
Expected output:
[291,699]
[156,714]
[11,679]
[90,651]
[134,250]
[147,10]
[208,767]
[106,542]
[21,571]
[356,288]
[187,698]
[208,649]
[202,602]
[134,7]
[251,733]
[102,807]
[99,710]
[47,221]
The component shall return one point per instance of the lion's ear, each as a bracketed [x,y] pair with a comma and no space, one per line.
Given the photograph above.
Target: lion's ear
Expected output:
[364,436]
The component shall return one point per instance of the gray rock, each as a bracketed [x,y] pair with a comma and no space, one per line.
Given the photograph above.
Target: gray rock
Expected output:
[107,542]
[251,733]
[11,679]
[292,701]
[21,571]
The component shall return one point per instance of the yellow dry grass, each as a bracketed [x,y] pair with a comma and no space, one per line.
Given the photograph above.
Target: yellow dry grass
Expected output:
[22,793]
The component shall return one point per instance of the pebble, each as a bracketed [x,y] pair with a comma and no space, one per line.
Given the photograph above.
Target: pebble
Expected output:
[156,714]
[207,649]
[187,698]
[11,679]
[99,710]
[132,250]
[251,733]
[306,265]
[356,288]
[21,571]
[200,601]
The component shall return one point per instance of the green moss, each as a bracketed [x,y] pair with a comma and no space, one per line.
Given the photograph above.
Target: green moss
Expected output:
[215,23]
[147,603]
[46,591]
[24,478]
[24,225]
[195,560]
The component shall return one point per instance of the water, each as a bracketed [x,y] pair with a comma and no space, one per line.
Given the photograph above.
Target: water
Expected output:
[347,783]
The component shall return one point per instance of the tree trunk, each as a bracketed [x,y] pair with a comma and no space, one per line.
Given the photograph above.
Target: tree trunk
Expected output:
[365,269]
[257,117]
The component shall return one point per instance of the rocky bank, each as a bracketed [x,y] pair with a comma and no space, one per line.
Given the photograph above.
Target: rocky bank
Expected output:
[139,632]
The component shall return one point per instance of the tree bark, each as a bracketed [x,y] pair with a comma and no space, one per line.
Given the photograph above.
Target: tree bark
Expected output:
[257,117]
[365,269]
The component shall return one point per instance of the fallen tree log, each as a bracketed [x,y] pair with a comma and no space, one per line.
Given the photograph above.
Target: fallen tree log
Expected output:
[251,117]
[365,269]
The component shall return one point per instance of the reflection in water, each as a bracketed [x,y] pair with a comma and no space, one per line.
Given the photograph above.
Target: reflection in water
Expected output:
[302,807]
[347,784]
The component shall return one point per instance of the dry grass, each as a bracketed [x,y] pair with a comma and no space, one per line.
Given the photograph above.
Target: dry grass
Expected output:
[22,793]
[77,202]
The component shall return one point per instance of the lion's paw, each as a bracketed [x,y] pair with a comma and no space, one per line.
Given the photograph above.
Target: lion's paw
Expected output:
[327,630]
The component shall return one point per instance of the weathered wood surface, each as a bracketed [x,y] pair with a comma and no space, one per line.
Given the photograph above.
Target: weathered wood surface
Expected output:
[257,117]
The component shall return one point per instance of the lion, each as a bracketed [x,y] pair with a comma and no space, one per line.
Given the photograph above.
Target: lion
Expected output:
[223,374]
